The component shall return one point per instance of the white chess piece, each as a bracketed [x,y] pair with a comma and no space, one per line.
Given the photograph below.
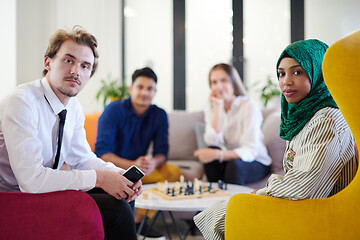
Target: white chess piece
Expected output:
[166,186]
[196,184]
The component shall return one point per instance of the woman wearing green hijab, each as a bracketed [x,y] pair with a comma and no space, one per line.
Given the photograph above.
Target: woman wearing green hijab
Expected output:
[320,158]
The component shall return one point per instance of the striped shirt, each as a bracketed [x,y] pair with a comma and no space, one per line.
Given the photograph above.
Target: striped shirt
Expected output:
[319,161]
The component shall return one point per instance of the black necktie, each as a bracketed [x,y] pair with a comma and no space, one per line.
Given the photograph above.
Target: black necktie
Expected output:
[62,116]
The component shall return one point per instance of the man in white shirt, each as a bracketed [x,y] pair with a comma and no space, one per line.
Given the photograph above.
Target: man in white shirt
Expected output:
[30,132]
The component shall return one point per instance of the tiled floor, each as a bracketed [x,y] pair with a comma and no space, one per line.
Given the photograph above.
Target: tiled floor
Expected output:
[183,227]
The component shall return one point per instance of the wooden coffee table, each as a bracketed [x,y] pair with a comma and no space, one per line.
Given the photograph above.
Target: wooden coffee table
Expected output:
[155,202]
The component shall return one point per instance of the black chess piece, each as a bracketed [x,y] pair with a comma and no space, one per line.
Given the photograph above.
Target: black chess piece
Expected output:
[226,186]
[221,184]
[168,190]
[173,192]
[181,190]
[210,187]
[200,189]
[191,188]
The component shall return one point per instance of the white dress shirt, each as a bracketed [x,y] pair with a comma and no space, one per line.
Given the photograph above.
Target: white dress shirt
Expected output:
[29,127]
[241,131]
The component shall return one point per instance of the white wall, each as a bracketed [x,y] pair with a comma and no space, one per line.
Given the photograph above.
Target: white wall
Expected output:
[28,25]
[7,46]
[103,21]
[33,31]
[267,31]
[149,42]
[208,42]
[330,20]
[266,34]
[39,19]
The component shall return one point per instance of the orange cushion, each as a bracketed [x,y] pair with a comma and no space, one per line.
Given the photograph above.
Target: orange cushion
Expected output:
[91,124]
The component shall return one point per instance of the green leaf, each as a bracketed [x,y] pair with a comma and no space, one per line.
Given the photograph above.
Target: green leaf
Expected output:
[268,91]
[112,88]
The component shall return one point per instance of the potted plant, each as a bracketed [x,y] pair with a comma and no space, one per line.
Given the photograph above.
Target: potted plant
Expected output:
[269,91]
[112,89]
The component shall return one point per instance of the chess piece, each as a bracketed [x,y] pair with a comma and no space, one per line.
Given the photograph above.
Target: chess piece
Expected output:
[182,179]
[196,184]
[173,192]
[166,184]
[210,187]
[221,184]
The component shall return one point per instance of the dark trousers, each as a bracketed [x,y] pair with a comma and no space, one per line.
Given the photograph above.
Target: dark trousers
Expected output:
[235,171]
[117,215]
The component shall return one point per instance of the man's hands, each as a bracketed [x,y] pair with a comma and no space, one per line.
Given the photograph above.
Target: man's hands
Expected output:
[147,164]
[207,155]
[117,185]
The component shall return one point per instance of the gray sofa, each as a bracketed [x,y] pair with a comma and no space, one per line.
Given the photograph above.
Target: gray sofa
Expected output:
[185,136]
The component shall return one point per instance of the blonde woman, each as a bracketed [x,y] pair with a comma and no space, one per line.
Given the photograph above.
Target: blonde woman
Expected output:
[236,152]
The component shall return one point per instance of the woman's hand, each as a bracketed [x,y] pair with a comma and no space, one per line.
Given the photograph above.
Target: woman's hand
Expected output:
[215,99]
[254,191]
[207,155]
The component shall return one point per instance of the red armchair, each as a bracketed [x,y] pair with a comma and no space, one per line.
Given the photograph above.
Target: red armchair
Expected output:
[57,215]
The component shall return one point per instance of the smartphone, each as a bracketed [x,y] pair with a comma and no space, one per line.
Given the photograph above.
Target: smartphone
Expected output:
[134,174]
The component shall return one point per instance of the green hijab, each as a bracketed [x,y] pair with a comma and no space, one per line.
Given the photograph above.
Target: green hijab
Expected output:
[309,54]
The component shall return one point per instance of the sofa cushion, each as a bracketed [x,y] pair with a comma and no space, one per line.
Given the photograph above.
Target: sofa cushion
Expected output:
[199,128]
[91,125]
[182,139]
[274,144]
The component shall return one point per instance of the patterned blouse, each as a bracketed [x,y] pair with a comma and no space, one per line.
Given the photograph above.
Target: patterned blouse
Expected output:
[319,161]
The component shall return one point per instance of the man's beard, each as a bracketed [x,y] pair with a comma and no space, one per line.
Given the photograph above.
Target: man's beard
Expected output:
[67,94]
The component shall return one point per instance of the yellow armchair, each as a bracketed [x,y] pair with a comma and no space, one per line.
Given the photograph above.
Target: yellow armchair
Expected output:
[258,217]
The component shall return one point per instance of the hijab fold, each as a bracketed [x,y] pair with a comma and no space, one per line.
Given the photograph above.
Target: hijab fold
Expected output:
[309,54]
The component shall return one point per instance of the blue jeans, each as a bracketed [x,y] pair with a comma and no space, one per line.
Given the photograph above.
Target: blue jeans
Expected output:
[235,171]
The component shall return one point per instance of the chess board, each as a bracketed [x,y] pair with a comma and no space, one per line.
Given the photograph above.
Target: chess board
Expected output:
[173,192]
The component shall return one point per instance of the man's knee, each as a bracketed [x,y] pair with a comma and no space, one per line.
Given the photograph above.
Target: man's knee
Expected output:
[124,210]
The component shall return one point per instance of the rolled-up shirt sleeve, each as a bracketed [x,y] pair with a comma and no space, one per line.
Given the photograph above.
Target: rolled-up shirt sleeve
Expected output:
[161,138]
